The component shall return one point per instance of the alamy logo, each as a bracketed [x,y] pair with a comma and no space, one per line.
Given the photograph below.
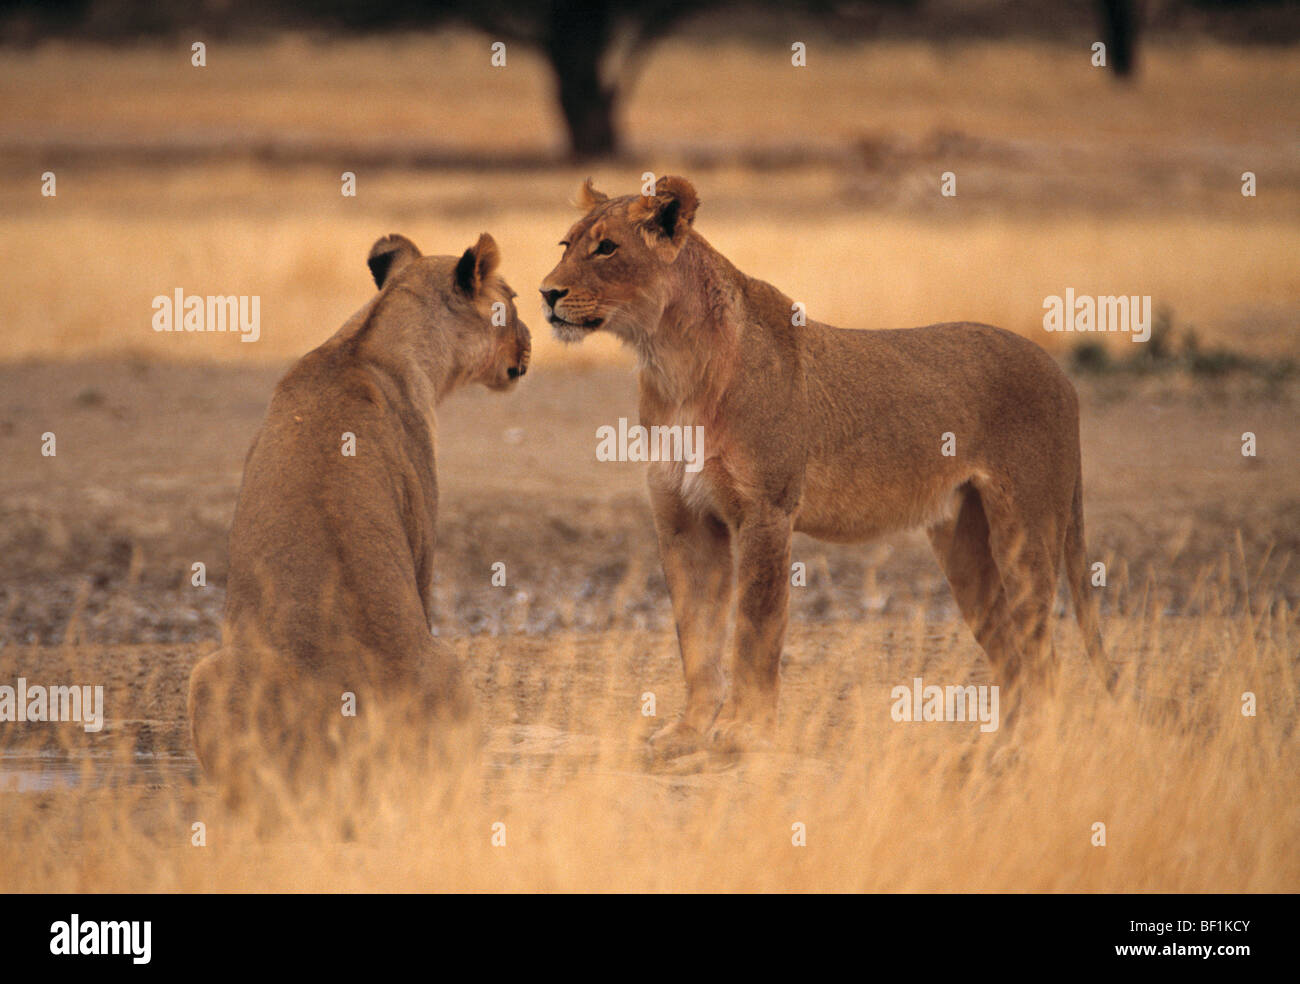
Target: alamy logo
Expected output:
[36,703]
[214,312]
[1101,313]
[935,703]
[657,443]
[75,938]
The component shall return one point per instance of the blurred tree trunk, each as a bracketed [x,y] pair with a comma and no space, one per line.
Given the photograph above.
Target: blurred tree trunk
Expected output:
[577,44]
[586,102]
[1119,22]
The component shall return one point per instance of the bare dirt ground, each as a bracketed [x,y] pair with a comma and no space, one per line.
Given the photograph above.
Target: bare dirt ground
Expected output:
[98,543]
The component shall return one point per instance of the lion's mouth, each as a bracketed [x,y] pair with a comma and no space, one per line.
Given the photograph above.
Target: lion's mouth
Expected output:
[586,324]
[589,324]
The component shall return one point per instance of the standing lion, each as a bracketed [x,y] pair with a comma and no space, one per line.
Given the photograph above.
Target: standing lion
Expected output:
[965,430]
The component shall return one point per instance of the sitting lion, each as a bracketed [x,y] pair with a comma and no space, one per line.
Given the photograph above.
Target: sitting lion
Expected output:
[968,431]
[329,598]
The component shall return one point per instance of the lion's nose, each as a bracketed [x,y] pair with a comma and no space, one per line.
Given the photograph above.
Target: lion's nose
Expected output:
[551,296]
[514,372]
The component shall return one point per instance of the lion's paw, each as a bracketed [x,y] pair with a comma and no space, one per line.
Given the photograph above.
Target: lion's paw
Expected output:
[676,739]
[739,736]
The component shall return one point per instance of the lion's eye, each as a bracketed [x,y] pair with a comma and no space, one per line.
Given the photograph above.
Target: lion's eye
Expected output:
[605,247]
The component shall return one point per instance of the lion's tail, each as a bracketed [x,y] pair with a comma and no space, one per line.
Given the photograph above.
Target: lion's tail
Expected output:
[1085,599]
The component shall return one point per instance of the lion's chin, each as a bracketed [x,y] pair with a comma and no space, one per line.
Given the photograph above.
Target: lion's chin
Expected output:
[567,331]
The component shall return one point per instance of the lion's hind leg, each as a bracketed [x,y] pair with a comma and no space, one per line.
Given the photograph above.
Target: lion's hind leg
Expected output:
[1025,542]
[204,707]
[224,721]
[220,723]
[962,547]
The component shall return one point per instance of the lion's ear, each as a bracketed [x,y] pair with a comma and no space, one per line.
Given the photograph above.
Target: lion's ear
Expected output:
[589,197]
[669,214]
[479,262]
[389,255]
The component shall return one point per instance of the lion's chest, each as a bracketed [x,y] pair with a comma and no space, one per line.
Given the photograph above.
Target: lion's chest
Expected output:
[697,490]
[685,455]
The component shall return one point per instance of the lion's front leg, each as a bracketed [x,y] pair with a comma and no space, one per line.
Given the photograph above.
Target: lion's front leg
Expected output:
[763,544]
[696,555]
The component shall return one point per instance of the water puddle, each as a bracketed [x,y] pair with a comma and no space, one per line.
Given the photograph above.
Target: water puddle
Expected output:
[36,773]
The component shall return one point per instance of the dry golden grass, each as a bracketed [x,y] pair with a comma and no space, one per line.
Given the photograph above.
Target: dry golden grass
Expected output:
[887,272]
[1195,797]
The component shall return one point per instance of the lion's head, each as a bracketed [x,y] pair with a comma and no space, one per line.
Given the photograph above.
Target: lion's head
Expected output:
[464,299]
[612,274]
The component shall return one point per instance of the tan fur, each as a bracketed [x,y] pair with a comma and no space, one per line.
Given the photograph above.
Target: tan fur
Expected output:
[829,432]
[331,556]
